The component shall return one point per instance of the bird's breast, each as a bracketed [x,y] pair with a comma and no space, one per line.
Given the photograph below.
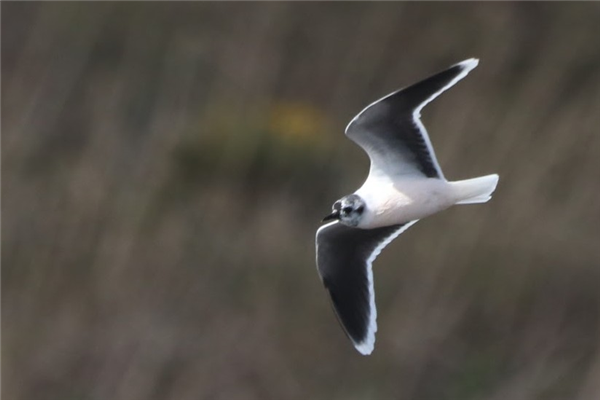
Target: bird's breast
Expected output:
[392,203]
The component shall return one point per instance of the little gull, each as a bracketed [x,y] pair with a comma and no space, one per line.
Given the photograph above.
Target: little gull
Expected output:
[405,184]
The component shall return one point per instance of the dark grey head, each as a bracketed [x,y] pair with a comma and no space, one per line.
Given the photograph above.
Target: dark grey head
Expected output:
[348,210]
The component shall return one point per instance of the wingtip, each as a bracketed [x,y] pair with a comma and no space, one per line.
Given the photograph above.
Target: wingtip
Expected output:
[469,64]
[365,348]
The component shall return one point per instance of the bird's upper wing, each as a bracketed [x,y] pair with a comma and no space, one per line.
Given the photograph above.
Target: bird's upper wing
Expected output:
[344,260]
[391,132]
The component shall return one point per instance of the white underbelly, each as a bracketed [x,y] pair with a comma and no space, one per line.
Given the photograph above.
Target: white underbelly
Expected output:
[401,202]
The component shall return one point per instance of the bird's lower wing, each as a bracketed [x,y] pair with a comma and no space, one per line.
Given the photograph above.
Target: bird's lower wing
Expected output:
[344,260]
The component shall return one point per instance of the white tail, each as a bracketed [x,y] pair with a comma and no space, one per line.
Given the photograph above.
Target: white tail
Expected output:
[476,190]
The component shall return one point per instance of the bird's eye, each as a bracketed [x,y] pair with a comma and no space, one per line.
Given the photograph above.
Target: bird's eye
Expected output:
[347,210]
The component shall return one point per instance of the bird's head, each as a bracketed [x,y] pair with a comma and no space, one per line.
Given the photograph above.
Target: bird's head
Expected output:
[348,210]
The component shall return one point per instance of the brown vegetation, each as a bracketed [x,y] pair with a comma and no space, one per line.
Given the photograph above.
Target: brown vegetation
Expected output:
[165,166]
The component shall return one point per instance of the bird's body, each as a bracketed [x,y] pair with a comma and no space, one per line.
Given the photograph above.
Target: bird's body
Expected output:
[391,202]
[409,198]
[405,184]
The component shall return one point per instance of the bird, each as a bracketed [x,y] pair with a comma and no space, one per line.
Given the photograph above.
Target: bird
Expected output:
[405,184]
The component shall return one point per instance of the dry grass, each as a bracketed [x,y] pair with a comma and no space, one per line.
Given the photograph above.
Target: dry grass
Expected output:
[165,166]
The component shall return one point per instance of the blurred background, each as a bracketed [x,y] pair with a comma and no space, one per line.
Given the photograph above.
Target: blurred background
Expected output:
[165,167]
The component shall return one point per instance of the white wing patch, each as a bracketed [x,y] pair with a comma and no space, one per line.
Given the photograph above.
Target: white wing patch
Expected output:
[366,346]
[467,66]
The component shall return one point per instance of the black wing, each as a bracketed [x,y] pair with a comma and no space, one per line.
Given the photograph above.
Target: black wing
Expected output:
[391,132]
[344,261]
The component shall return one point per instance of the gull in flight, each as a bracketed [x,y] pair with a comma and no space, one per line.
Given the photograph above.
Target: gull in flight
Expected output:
[405,184]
